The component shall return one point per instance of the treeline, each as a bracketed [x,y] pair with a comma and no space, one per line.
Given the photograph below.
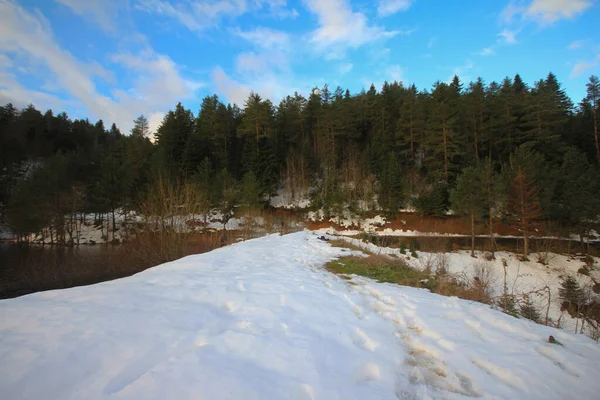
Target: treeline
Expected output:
[497,150]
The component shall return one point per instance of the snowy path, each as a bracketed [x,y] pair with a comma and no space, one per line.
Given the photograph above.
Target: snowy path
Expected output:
[263,320]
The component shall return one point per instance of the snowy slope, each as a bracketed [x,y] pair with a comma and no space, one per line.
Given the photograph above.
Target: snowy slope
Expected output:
[263,320]
[522,277]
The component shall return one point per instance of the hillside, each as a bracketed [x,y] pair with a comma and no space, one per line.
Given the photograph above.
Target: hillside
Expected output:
[263,319]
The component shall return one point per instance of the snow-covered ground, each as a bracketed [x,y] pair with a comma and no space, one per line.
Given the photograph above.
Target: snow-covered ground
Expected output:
[522,277]
[263,319]
[285,199]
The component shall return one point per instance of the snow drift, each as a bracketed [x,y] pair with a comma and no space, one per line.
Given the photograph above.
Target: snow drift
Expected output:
[263,320]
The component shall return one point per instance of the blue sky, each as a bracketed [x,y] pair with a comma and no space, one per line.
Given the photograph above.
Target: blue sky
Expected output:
[116,59]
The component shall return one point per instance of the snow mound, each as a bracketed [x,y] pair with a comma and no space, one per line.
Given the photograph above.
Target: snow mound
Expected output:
[263,319]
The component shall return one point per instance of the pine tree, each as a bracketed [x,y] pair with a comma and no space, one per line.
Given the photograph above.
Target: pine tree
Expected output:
[524,203]
[475,109]
[257,119]
[391,196]
[571,292]
[172,137]
[593,97]
[442,132]
[141,128]
[578,193]
[529,311]
[468,198]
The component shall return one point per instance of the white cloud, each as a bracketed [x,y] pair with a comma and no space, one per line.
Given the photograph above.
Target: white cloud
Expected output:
[549,11]
[509,36]
[266,38]
[487,51]
[198,15]
[390,7]
[544,12]
[396,72]
[344,68]
[28,38]
[462,71]
[431,42]
[513,11]
[11,91]
[583,66]
[102,11]
[252,63]
[576,44]
[341,28]
[235,92]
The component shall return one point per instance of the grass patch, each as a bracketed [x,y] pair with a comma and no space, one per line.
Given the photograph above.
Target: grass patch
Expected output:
[379,268]
[385,269]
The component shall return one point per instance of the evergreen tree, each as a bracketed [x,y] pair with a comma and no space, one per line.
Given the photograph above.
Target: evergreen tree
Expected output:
[524,204]
[571,292]
[172,137]
[141,128]
[468,198]
[593,97]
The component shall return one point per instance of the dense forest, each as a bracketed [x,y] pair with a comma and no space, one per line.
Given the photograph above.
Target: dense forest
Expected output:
[492,151]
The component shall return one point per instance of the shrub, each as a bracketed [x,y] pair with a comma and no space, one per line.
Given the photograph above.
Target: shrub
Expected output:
[528,310]
[570,291]
[508,304]
[434,203]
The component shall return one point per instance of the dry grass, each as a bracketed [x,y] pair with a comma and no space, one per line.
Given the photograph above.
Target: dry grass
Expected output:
[386,269]
[347,245]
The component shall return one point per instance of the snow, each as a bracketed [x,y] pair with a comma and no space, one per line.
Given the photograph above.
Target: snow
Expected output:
[285,199]
[263,319]
[522,277]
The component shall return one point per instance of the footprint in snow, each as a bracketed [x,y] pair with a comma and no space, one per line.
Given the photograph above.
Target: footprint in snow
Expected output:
[229,306]
[362,340]
[370,372]
[240,286]
[426,368]
[503,374]
[553,355]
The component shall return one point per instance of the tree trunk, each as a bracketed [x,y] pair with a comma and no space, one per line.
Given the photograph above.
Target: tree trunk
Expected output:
[596,135]
[472,234]
[492,243]
[509,131]
[445,150]
[525,242]
[113,224]
[412,141]
[475,139]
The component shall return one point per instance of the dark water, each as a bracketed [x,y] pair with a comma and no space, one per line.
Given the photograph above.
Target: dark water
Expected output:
[26,268]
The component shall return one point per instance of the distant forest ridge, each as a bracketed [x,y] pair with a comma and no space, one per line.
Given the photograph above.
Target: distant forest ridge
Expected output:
[500,150]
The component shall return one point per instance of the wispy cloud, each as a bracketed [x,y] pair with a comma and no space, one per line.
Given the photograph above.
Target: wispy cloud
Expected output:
[508,36]
[28,38]
[390,7]
[576,44]
[487,51]
[341,28]
[462,71]
[517,14]
[266,38]
[583,66]
[550,11]
[345,68]
[101,11]
[544,12]
[396,72]
[199,15]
